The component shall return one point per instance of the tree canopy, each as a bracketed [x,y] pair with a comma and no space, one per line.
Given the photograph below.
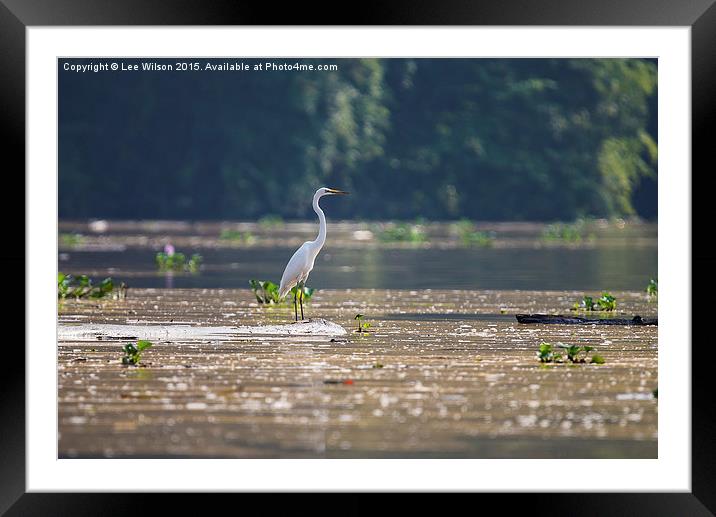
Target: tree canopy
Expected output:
[485,139]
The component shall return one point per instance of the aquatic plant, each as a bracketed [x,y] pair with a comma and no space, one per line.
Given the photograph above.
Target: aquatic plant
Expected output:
[176,261]
[362,326]
[575,354]
[132,353]
[652,290]
[71,240]
[228,234]
[403,232]
[69,286]
[572,233]
[266,292]
[307,292]
[586,304]
[607,302]
[470,237]
[545,354]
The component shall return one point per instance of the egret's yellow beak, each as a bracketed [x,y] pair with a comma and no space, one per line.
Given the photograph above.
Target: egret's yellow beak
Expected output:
[336,191]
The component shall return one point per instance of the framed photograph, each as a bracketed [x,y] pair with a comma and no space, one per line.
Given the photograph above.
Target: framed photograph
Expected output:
[425,256]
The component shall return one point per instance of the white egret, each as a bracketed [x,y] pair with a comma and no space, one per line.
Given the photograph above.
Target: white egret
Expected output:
[301,263]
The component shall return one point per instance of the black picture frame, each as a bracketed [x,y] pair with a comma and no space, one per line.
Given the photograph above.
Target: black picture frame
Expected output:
[17,15]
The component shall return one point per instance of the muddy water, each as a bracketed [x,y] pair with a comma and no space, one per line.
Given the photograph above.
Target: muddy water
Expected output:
[441,373]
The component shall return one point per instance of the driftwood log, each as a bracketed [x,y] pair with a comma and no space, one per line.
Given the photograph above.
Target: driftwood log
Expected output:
[577,320]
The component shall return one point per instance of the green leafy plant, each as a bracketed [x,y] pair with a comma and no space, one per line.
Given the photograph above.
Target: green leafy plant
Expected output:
[652,290]
[545,354]
[132,353]
[362,326]
[470,237]
[307,293]
[571,233]
[71,240]
[403,232]
[597,359]
[575,354]
[69,286]
[266,292]
[587,304]
[178,262]
[606,302]
[194,263]
[237,236]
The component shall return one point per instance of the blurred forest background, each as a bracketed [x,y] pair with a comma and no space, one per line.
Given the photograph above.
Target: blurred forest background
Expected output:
[443,139]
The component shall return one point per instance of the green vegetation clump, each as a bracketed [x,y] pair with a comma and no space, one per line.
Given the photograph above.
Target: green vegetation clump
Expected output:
[266,292]
[403,232]
[470,237]
[132,353]
[71,240]
[575,354]
[237,236]
[652,290]
[362,326]
[571,233]
[178,262]
[606,302]
[69,286]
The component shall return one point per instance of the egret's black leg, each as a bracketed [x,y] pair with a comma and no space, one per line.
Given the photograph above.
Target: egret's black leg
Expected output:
[301,298]
[295,306]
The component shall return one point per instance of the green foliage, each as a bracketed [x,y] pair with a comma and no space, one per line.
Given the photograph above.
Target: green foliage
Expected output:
[545,354]
[606,302]
[597,359]
[69,286]
[586,304]
[132,353]
[485,139]
[178,262]
[362,326]
[575,354]
[266,292]
[652,290]
[307,292]
[70,240]
[571,233]
[403,232]
[237,236]
[470,237]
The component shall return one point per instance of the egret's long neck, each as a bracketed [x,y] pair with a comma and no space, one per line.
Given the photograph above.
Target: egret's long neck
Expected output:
[321,239]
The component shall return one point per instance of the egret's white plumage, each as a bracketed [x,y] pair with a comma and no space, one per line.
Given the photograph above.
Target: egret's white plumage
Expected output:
[301,263]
